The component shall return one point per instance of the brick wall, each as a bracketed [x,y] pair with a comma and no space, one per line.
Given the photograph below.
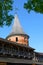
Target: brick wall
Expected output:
[21,39]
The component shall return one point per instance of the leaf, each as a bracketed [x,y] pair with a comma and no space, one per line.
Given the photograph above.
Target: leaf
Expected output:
[35,5]
[5,9]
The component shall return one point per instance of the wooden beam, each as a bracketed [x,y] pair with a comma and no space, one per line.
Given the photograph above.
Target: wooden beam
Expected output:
[2,63]
[33,64]
[18,60]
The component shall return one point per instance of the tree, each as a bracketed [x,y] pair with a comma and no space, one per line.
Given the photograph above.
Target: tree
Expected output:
[5,8]
[35,5]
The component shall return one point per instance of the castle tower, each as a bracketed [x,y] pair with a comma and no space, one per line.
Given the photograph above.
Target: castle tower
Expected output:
[17,34]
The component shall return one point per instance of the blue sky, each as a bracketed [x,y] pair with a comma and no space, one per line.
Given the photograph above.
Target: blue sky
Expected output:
[32,24]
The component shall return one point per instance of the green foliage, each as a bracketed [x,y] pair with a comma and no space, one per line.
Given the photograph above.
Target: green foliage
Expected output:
[35,5]
[5,8]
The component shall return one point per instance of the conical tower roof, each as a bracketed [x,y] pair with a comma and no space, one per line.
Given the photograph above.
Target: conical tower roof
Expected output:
[17,29]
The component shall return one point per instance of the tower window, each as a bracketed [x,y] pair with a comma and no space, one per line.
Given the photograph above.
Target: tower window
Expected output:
[24,37]
[16,39]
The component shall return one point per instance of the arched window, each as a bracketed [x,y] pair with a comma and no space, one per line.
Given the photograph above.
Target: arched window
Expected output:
[16,39]
[25,37]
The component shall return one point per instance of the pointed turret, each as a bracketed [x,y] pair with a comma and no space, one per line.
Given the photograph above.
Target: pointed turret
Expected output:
[17,34]
[17,29]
